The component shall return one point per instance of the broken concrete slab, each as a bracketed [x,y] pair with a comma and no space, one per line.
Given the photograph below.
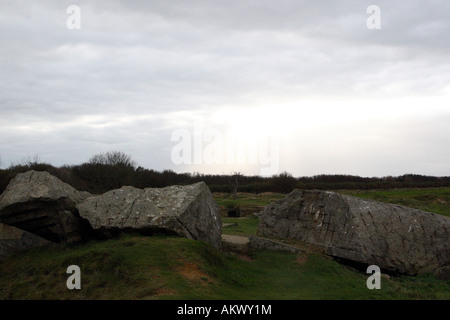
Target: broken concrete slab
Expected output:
[42,204]
[188,211]
[393,237]
[235,243]
[258,243]
[13,240]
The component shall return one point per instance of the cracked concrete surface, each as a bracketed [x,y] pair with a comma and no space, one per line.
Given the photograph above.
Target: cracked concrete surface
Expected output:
[189,211]
[393,237]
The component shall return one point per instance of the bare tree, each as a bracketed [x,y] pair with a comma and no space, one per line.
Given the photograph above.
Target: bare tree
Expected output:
[113,158]
[233,181]
[110,170]
[31,161]
[284,182]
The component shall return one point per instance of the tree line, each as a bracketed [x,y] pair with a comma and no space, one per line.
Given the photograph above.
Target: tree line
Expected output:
[112,170]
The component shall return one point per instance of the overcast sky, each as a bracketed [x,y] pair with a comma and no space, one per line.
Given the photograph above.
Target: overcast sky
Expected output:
[259,87]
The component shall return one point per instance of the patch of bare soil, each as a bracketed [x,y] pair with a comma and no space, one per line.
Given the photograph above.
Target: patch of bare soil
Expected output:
[301,259]
[192,272]
[165,292]
[243,257]
[269,194]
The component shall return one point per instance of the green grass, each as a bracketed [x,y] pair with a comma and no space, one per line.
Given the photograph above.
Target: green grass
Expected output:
[435,200]
[246,200]
[163,267]
[244,226]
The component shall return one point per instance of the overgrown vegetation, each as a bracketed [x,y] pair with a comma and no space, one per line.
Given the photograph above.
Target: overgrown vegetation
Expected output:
[111,170]
[162,267]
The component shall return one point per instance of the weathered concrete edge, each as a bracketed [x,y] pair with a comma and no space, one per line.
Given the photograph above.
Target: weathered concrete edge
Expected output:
[14,240]
[258,243]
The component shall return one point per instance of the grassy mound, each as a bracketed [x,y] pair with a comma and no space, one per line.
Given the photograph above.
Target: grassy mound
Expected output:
[164,267]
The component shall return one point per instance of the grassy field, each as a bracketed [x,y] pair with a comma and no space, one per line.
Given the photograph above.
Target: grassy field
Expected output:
[241,226]
[247,199]
[435,200]
[165,267]
[247,202]
[162,267]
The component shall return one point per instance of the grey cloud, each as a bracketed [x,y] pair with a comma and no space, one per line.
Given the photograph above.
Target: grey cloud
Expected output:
[158,58]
